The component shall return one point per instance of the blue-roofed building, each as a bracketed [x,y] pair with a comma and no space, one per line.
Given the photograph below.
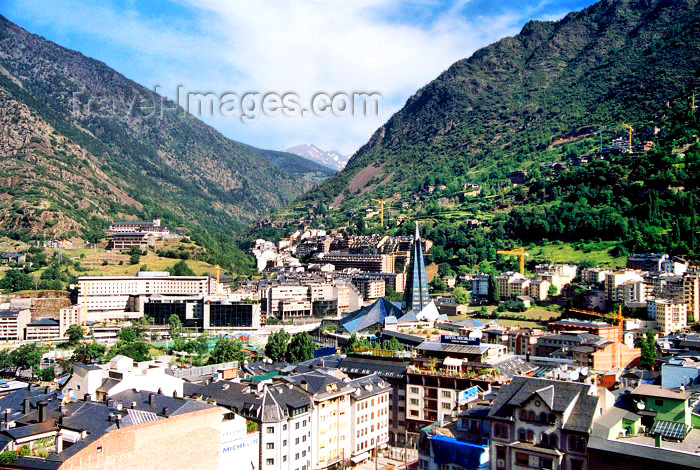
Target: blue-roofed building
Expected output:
[416,294]
[367,317]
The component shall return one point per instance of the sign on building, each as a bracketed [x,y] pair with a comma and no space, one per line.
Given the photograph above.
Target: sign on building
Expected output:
[461,340]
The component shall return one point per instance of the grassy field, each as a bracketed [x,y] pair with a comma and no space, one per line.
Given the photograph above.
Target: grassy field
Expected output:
[534,317]
[94,260]
[596,253]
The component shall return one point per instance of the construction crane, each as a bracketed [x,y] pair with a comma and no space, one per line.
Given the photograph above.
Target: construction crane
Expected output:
[381,203]
[620,328]
[218,277]
[520,252]
[630,129]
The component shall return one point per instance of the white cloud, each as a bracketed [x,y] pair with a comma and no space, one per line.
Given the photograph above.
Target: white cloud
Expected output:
[302,46]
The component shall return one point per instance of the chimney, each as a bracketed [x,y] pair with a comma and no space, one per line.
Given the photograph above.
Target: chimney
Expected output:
[166,412]
[87,397]
[304,384]
[42,411]
[133,405]
[47,389]
[60,420]
[7,414]
[160,391]
[151,399]
[26,406]
[110,403]
[174,393]
[29,387]
[118,420]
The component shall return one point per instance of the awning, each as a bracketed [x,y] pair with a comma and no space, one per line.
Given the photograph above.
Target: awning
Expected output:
[359,458]
[670,429]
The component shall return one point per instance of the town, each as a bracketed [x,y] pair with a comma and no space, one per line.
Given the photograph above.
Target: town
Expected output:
[338,355]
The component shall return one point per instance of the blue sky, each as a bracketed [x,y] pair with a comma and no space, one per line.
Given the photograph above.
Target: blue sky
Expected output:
[387,46]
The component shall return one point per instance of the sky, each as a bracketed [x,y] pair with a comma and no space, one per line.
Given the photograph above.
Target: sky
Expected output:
[305,47]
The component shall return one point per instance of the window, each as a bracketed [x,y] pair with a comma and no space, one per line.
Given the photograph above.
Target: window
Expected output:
[99,450]
[270,445]
[414,413]
[659,402]
[546,463]
[270,429]
[284,443]
[530,436]
[296,441]
[500,430]
[296,456]
[446,394]
[522,459]
[523,415]
[413,389]
[577,443]
[576,464]
[296,426]
[284,427]
[521,435]
[303,453]
[544,439]
[553,441]
[446,406]
[270,461]
[531,415]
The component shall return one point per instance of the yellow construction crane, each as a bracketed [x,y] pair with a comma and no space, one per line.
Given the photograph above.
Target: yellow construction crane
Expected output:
[620,328]
[218,277]
[381,203]
[520,252]
[630,129]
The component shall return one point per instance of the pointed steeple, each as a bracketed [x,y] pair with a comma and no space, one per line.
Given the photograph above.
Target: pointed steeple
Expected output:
[416,295]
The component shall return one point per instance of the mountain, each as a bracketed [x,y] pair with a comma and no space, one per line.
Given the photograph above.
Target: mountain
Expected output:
[524,142]
[504,107]
[331,158]
[82,145]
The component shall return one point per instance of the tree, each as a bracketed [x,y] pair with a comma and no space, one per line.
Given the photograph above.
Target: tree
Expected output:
[175,327]
[128,334]
[301,348]
[27,356]
[461,295]
[392,345]
[648,347]
[180,269]
[46,374]
[88,353]
[75,334]
[134,258]
[276,346]
[16,280]
[227,350]
[142,326]
[552,291]
[136,350]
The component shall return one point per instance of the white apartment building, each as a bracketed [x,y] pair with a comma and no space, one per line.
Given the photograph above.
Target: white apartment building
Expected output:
[691,293]
[594,275]
[633,294]
[670,315]
[369,417]
[512,284]
[113,293]
[614,279]
[13,323]
[558,275]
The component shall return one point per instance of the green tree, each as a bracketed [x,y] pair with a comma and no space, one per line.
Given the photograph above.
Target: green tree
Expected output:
[552,291]
[75,334]
[392,345]
[175,329]
[180,269]
[128,335]
[16,280]
[136,350]
[134,258]
[227,350]
[648,351]
[88,353]
[142,326]
[27,356]
[301,348]
[276,346]
[45,374]
[461,295]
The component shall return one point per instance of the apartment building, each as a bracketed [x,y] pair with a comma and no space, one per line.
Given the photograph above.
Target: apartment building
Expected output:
[594,275]
[558,275]
[480,287]
[370,289]
[691,293]
[614,279]
[13,323]
[652,262]
[44,329]
[670,315]
[599,328]
[541,423]
[122,236]
[107,296]
[539,289]
[148,433]
[282,413]
[369,417]
[512,284]
[606,355]
[381,263]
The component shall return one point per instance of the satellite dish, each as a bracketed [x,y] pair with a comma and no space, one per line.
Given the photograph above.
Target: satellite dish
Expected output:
[119,406]
[640,404]
[584,371]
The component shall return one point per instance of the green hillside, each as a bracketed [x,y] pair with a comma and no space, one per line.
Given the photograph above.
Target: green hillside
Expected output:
[531,120]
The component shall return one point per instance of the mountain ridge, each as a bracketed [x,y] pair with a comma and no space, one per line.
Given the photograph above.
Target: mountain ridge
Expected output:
[330,158]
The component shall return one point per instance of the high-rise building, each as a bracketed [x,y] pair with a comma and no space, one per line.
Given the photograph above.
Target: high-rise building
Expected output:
[416,295]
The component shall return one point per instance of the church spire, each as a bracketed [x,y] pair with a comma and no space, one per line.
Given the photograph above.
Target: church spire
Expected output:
[416,294]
